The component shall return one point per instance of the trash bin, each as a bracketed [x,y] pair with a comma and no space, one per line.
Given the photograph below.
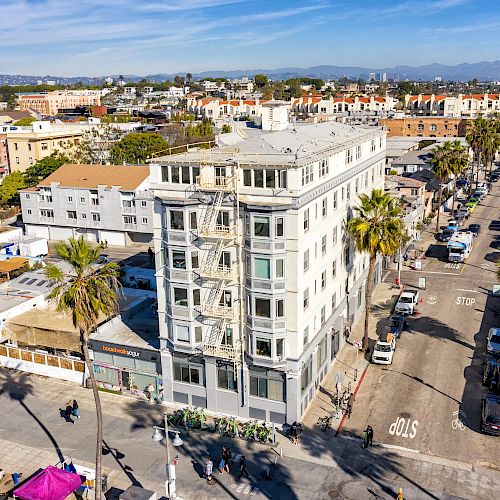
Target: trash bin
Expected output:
[88,383]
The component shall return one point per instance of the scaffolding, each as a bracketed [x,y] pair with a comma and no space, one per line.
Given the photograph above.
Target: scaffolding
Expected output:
[219,231]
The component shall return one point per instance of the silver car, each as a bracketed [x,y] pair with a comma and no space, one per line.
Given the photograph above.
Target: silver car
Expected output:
[493,341]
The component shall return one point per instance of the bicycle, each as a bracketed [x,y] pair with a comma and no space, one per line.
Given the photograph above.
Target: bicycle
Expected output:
[250,430]
[264,433]
[325,422]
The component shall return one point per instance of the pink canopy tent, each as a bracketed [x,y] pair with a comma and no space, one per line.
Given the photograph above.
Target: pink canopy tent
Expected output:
[50,484]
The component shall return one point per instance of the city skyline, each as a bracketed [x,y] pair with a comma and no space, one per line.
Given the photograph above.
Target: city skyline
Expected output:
[97,37]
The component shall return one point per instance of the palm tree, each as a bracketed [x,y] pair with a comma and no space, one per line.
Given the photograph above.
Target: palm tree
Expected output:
[458,161]
[478,137]
[89,292]
[440,162]
[492,143]
[377,229]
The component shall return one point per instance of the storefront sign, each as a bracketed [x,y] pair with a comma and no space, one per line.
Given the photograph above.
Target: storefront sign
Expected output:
[118,350]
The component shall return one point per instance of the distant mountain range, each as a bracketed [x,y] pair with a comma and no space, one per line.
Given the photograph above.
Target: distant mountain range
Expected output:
[482,71]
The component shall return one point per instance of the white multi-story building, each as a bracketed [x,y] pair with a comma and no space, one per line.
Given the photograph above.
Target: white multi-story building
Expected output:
[470,106]
[257,279]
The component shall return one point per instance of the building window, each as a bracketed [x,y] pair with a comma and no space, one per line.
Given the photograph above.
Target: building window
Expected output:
[306,260]
[280,306]
[71,214]
[188,373]
[70,199]
[335,200]
[83,216]
[372,146]
[261,226]
[270,179]
[198,334]
[196,297]
[280,268]
[17,160]
[348,156]
[266,384]
[323,168]
[96,217]
[323,315]
[306,220]
[306,298]
[334,301]
[347,255]
[144,220]
[144,204]
[305,336]
[128,203]
[262,268]
[177,220]
[358,152]
[47,213]
[29,211]
[193,222]
[420,126]
[263,347]
[334,268]
[322,350]
[226,378]
[194,260]
[335,235]
[306,376]
[356,185]
[280,226]
[280,348]
[307,175]
[247,178]
[180,297]
[323,280]
[129,219]
[263,308]
[83,200]
[323,244]
[182,333]
[258,178]
[324,208]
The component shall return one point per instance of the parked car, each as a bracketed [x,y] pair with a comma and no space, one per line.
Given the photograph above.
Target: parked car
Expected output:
[462,214]
[493,341]
[396,324]
[407,302]
[462,183]
[475,229]
[491,371]
[445,234]
[383,351]
[490,414]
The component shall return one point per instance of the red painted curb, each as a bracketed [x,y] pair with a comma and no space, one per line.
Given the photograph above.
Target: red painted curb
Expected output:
[355,392]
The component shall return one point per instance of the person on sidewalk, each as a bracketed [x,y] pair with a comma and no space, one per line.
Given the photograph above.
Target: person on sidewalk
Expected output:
[243,468]
[226,455]
[350,403]
[209,466]
[222,463]
[149,392]
[75,409]
[368,437]
[68,412]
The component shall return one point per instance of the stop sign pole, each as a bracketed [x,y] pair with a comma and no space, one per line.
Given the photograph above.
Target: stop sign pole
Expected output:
[358,346]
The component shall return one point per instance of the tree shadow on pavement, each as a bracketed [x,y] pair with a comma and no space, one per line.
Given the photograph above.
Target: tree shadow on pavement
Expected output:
[437,329]
[17,386]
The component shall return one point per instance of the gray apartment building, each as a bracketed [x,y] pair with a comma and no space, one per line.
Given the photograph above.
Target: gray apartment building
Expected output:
[109,203]
[257,279]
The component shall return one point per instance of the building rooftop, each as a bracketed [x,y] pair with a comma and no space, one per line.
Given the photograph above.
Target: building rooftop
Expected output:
[297,145]
[126,177]
[400,181]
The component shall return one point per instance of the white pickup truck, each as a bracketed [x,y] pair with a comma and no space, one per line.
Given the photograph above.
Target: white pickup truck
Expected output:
[407,302]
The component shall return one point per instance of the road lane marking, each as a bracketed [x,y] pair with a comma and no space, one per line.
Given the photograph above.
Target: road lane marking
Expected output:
[434,272]
[466,290]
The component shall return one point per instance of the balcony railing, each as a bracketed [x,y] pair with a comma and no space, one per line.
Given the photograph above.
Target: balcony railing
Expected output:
[218,272]
[130,226]
[221,351]
[218,183]
[128,210]
[218,231]
[217,311]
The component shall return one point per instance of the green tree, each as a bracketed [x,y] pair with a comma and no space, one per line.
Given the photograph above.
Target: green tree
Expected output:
[441,166]
[260,80]
[226,128]
[378,229]
[9,189]
[137,147]
[89,292]
[201,132]
[95,145]
[24,122]
[459,159]
[189,77]
[43,168]
[478,136]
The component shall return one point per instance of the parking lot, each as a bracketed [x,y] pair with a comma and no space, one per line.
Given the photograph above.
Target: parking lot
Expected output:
[429,398]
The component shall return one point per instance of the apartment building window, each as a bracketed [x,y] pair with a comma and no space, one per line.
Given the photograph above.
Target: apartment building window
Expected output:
[44,146]
[194,260]
[335,200]
[258,178]
[366,179]
[198,334]
[96,217]
[323,315]
[70,199]
[261,226]
[226,378]
[266,384]
[372,146]
[323,168]
[27,196]
[179,175]
[83,216]
[280,308]
[83,200]
[358,152]
[29,147]
[144,204]
[180,297]
[263,308]
[29,211]
[196,297]
[263,347]
[247,178]
[323,280]
[71,214]
[334,301]
[188,373]
[306,219]
[129,219]
[356,185]
[262,268]
[306,260]
[30,160]
[324,207]
[94,202]
[178,259]
[348,156]
[420,126]
[322,350]
[347,255]
[307,174]
[348,191]
[432,127]
[305,337]
[144,220]
[16,148]
[334,268]
[270,176]
[280,227]
[177,220]
[380,141]
[280,268]
[323,244]
[128,203]
[360,297]
[306,298]
[193,221]
[306,376]
[182,332]
[47,213]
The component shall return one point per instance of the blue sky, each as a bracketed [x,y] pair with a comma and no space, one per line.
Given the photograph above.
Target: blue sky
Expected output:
[100,37]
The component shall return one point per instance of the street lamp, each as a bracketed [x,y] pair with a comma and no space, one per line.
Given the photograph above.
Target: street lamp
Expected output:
[177,441]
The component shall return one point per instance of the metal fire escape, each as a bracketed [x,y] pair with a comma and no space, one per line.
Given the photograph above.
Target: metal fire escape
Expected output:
[218,235]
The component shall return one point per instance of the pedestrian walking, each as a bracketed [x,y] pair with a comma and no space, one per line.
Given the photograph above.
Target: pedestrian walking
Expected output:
[226,455]
[222,462]
[243,468]
[150,389]
[68,412]
[75,409]
[209,466]
[350,403]
[368,441]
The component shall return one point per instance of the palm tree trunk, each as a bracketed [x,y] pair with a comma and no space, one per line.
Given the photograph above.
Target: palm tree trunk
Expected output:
[97,400]
[478,168]
[439,207]
[368,298]
[454,195]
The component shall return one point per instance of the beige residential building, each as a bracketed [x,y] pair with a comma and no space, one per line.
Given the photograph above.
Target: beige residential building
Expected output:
[27,145]
[51,103]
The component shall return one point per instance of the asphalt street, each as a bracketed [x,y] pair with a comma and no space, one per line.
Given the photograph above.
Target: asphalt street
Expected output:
[429,398]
